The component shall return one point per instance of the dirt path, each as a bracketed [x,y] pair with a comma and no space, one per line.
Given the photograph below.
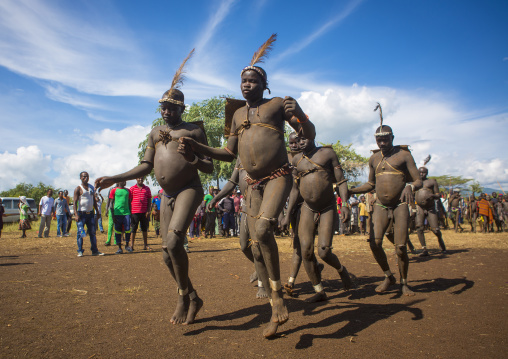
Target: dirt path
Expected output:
[55,305]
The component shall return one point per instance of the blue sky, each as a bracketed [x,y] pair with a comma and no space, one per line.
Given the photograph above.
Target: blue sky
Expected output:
[80,80]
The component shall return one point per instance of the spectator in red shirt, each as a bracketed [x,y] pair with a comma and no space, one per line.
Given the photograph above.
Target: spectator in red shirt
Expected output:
[140,204]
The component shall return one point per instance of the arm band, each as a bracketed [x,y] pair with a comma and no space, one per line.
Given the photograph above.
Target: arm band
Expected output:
[341,182]
[195,160]
[229,151]
[298,120]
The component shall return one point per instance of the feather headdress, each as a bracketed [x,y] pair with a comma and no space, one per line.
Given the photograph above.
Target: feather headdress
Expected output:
[259,56]
[174,95]
[383,131]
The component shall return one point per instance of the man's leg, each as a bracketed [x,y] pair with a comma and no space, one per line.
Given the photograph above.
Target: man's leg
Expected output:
[420,220]
[58,225]
[127,232]
[117,221]
[306,228]
[47,227]
[260,274]
[244,239]
[296,259]
[135,218]
[174,253]
[380,224]
[400,226]
[64,226]
[90,225]
[144,223]
[434,227]
[275,195]
[325,239]
[41,226]
[79,239]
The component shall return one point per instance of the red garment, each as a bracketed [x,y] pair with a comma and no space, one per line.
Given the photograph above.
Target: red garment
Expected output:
[339,204]
[141,198]
[237,199]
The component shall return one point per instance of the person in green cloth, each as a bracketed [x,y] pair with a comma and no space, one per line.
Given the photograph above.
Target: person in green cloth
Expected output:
[111,218]
[24,216]
[210,214]
[121,198]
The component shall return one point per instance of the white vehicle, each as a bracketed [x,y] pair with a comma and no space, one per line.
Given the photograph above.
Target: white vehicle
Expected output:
[12,210]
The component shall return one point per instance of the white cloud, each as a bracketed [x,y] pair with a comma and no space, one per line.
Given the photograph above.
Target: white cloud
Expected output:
[28,165]
[461,143]
[48,43]
[110,152]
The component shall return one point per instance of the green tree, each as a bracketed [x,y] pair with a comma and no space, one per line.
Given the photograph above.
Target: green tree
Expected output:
[475,187]
[30,191]
[212,113]
[352,163]
[451,182]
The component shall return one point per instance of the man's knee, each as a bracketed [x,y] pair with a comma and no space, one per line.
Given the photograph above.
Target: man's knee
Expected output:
[256,252]
[174,239]
[436,231]
[324,252]
[264,226]
[307,253]
[419,229]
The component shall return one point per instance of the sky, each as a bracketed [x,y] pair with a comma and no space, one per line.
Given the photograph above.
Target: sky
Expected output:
[80,80]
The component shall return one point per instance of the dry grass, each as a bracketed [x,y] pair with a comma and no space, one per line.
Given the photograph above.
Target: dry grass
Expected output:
[358,243]
[11,242]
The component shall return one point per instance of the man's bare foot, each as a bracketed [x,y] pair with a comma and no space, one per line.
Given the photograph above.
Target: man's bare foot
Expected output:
[279,310]
[195,305]
[407,291]
[180,314]
[346,279]
[270,330]
[386,283]
[261,293]
[253,277]
[318,297]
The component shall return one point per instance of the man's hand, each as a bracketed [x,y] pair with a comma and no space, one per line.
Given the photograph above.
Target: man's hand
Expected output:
[185,148]
[284,224]
[103,182]
[210,205]
[292,108]
[148,214]
[76,217]
[344,214]
[407,195]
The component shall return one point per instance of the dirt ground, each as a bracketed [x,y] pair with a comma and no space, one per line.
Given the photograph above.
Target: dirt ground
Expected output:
[56,305]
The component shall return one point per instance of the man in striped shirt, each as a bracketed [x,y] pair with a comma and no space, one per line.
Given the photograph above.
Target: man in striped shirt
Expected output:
[140,204]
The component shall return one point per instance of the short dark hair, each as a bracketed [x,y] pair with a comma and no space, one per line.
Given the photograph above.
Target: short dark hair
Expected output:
[80,173]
